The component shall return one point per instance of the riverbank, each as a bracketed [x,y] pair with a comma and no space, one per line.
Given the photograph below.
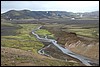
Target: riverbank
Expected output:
[19,47]
[84,60]
[68,36]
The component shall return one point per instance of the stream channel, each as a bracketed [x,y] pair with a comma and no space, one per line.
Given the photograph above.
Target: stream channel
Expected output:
[83,59]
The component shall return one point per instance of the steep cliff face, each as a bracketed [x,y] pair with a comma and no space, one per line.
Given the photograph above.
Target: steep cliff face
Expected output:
[80,45]
[90,50]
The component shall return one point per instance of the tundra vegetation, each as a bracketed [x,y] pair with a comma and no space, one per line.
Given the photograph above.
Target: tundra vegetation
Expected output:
[20,46]
[17,42]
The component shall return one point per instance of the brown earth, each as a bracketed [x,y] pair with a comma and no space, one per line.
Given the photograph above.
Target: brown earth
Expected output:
[17,57]
[85,46]
[53,51]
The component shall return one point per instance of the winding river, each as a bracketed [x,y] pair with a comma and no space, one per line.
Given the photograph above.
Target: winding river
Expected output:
[83,59]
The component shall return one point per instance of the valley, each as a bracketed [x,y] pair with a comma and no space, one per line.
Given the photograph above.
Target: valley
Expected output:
[78,37]
[49,33]
[20,47]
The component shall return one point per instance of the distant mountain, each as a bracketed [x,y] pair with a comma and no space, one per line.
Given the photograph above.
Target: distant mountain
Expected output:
[27,14]
[94,14]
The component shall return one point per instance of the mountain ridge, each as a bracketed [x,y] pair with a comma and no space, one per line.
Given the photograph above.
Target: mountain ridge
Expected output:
[27,14]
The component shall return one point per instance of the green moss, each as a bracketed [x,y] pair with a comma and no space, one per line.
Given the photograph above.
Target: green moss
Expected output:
[6,24]
[43,33]
[90,32]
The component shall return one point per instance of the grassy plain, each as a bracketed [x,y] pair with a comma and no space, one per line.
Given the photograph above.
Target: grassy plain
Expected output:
[23,38]
[84,30]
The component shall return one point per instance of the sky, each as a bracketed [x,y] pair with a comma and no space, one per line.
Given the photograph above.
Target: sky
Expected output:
[69,6]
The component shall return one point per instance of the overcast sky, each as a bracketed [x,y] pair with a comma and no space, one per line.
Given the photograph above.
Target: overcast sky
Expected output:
[69,6]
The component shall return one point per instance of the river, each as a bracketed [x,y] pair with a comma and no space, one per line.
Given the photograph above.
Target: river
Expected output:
[83,59]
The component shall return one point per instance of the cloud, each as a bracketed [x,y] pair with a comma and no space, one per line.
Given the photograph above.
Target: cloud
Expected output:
[73,6]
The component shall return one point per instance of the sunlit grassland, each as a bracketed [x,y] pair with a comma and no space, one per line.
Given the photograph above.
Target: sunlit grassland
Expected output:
[24,39]
[93,32]
[44,33]
[84,30]
[26,28]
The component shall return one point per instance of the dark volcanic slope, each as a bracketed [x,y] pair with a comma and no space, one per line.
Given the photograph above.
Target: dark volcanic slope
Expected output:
[27,14]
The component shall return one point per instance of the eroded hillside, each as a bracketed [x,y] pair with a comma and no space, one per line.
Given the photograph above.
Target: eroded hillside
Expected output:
[85,45]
